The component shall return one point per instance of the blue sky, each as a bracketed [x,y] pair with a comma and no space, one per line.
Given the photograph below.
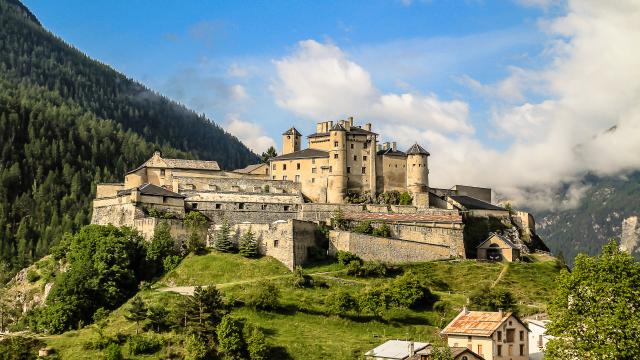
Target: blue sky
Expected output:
[511,94]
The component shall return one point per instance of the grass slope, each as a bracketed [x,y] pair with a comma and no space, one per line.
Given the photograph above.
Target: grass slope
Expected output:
[302,328]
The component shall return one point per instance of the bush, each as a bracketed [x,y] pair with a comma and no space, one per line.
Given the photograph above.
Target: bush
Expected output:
[382,231]
[19,347]
[230,340]
[257,345]
[263,296]
[32,276]
[492,299]
[345,257]
[113,352]
[364,227]
[196,348]
[337,219]
[171,262]
[300,279]
[144,344]
[405,199]
[407,291]
[368,269]
[340,302]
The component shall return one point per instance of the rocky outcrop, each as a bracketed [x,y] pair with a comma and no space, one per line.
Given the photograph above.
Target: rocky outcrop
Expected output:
[630,237]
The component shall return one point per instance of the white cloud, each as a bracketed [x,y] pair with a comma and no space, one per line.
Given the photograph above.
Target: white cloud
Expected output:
[250,133]
[555,118]
[319,81]
[238,92]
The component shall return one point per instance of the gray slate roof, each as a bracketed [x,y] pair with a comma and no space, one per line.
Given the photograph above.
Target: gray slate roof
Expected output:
[352,131]
[150,189]
[471,203]
[292,131]
[303,154]
[417,149]
[391,152]
[501,237]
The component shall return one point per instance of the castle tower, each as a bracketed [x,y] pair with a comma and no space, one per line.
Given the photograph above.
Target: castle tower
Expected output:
[337,180]
[291,140]
[418,175]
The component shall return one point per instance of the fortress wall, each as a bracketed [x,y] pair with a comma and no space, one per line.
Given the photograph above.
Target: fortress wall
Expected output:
[108,190]
[324,212]
[404,209]
[236,184]
[147,226]
[372,248]
[118,214]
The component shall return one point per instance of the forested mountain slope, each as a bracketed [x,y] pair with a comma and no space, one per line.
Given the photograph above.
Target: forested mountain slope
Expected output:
[68,122]
[607,203]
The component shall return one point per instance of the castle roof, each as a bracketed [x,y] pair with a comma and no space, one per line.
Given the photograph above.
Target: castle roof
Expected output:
[479,323]
[354,130]
[303,154]
[292,131]
[158,161]
[471,203]
[504,239]
[248,169]
[416,149]
[452,217]
[338,127]
[391,152]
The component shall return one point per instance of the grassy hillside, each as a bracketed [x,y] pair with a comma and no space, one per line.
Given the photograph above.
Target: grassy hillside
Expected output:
[302,326]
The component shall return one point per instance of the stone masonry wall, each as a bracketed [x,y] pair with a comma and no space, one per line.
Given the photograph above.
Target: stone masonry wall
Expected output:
[372,248]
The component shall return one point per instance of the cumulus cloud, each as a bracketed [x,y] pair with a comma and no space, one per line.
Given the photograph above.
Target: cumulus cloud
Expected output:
[250,133]
[556,119]
[319,81]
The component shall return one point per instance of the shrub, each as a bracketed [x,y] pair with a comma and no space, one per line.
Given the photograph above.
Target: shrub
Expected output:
[382,231]
[171,262]
[196,348]
[263,296]
[340,302]
[492,299]
[345,257]
[161,245]
[248,245]
[337,219]
[32,276]
[257,345]
[363,227]
[300,279]
[407,291]
[230,340]
[368,269]
[19,347]
[405,199]
[144,344]
[113,352]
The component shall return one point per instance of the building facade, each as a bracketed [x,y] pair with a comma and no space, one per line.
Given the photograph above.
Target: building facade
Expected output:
[343,158]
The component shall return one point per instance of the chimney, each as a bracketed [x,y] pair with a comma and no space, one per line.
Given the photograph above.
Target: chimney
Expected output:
[394,146]
[378,147]
[385,146]
[367,126]
[501,313]
[411,348]
[465,309]
[329,125]
[319,127]
[350,121]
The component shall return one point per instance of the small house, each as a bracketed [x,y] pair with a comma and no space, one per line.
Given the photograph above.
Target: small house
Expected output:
[457,353]
[498,248]
[395,350]
[538,338]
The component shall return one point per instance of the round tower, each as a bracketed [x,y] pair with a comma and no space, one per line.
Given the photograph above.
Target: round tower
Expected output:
[418,175]
[337,179]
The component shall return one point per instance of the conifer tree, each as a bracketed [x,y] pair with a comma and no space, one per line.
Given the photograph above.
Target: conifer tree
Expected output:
[248,245]
[137,312]
[230,341]
[223,243]
[257,345]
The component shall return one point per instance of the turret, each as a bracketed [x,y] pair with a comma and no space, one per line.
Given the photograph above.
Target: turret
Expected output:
[418,175]
[291,140]
[337,184]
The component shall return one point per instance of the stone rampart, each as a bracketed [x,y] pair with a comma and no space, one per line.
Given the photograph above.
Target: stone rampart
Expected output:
[373,248]
[147,226]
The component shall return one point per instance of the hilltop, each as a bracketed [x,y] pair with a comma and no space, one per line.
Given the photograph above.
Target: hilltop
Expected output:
[303,324]
[68,122]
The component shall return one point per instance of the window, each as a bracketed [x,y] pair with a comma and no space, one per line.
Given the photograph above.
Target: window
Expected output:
[365,144]
[313,180]
[511,334]
[284,177]
[194,205]
[364,158]
[465,358]
[335,144]
[521,349]
[352,146]
[355,157]
[241,206]
[335,156]
[540,343]
[313,161]
[264,206]
[286,208]
[521,335]
[499,350]
[348,170]
[218,206]
[509,322]
[364,170]
[469,338]
[273,177]
[161,172]
[330,169]
[297,166]
[275,243]
[288,137]
[499,335]
[479,349]
[284,166]
[297,178]
[314,170]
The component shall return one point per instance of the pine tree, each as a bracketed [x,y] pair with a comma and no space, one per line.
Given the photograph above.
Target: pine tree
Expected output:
[248,245]
[223,243]
[137,312]
[230,341]
[257,345]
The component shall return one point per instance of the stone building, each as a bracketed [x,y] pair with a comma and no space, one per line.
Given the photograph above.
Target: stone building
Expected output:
[343,158]
[498,248]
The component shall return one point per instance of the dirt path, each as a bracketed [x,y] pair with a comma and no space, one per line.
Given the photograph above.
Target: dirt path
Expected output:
[188,290]
[505,267]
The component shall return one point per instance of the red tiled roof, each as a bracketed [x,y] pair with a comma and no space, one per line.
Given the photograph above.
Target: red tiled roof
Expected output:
[482,323]
[424,218]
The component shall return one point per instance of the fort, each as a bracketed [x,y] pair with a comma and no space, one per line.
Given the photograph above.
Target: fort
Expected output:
[343,171]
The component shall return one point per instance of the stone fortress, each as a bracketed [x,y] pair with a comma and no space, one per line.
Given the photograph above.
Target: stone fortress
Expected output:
[284,201]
